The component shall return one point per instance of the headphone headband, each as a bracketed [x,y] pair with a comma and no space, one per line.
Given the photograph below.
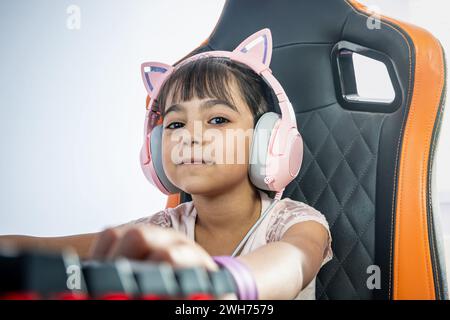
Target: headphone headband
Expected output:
[254,52]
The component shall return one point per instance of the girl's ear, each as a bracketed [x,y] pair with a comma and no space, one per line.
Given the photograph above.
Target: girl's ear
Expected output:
[259,45]
[153,75]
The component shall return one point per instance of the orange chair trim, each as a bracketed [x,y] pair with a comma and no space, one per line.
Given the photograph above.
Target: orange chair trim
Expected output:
[413,274]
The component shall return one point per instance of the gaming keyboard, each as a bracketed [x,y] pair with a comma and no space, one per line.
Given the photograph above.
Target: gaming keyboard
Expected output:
[49,275]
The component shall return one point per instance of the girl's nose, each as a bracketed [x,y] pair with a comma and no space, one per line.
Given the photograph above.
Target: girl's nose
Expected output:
[188,139]
[193,134]
[194,141]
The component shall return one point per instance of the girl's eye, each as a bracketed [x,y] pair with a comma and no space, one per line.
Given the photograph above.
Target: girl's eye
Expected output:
[175,125]
[215,120]
[218,120]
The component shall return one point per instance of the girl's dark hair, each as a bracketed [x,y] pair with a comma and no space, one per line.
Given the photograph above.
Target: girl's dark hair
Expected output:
[210,77]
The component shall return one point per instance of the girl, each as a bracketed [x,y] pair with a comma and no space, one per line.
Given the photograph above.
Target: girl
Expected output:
[288,241]
[277,246]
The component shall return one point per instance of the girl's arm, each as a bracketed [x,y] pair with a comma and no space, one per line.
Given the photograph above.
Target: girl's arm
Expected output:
[81,242]
[283,268]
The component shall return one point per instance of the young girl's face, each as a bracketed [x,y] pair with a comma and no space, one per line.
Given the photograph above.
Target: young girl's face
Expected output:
[206,142]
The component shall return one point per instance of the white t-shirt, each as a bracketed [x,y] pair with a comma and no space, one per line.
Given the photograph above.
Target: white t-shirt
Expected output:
[285,213]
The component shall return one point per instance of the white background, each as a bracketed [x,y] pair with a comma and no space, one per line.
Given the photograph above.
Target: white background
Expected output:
[72,105]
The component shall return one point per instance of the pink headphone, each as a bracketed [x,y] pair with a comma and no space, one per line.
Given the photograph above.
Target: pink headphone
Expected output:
[275,159]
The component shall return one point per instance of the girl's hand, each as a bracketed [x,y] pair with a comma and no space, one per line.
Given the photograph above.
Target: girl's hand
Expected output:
[150,242]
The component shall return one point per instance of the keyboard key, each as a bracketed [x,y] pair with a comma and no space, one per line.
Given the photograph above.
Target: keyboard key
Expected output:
[193,280]
[156,279]
[109,277]
[222,282]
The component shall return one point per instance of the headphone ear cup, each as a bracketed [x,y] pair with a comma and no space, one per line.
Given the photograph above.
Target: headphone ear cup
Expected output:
[156,156]
[260,147]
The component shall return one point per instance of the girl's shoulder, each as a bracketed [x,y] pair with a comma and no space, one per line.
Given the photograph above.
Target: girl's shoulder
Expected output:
[288,212]
[288,207]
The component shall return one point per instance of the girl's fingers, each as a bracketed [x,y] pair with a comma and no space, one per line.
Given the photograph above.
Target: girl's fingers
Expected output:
[105,240]
[135,242]
[159,244]
[183,255]
[173,247]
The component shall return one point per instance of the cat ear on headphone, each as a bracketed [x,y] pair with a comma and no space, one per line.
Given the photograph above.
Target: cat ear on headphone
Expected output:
[153,75]
[258,45]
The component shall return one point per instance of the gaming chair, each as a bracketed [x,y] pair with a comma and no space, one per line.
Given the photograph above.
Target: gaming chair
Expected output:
[368,164]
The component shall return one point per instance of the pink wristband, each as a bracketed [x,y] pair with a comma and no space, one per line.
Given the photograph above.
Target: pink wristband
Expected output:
[242,276]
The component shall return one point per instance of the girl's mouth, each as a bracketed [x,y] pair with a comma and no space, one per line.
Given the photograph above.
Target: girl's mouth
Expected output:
[195,161]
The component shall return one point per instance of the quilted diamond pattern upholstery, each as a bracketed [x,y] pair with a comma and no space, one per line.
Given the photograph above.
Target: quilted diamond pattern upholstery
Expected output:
[338,177]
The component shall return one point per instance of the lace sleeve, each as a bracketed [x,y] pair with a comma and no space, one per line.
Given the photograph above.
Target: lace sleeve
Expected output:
[292,212]
[160,218]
